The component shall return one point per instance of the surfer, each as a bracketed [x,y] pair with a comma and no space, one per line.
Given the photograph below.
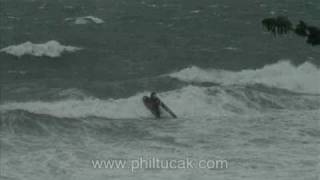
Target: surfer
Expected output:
[154,104]
[155,100]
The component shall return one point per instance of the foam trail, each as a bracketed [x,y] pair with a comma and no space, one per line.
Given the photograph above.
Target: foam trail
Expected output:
[51,49]
[304,78]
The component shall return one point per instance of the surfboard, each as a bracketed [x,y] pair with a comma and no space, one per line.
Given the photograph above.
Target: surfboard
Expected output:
[168,110]
[148,104]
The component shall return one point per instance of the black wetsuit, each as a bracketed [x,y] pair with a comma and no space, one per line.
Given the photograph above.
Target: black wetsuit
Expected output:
[155,104]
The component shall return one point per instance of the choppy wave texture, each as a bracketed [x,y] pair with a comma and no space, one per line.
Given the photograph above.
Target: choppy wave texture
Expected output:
[304,78]
[50,49]
[187,102]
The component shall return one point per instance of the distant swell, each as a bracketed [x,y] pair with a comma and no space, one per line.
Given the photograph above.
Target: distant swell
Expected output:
[304,78]
[50,49]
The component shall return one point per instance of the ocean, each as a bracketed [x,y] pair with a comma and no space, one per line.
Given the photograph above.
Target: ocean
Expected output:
[73,74]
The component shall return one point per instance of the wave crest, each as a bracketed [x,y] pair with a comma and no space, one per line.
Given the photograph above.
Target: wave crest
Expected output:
[50,49]
[188,102]
[303,78]
[85,20]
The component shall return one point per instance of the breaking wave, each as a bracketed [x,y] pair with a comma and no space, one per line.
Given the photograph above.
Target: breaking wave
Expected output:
[304,78]
[85,20]
[50,49]
[188,102]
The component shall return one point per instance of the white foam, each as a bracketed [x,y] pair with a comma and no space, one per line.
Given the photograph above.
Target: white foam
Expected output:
[303,78]
[51,49]
[121,108]
[230,48]
[196,11]
[85,20]
[190,101]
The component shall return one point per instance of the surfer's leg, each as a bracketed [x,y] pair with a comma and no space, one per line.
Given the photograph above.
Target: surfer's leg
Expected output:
[157,112]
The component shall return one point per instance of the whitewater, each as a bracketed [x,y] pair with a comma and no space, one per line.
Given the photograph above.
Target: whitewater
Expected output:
[240,116]
[238,91]
[227,122]
[302,78]
[73,74]
[51,49]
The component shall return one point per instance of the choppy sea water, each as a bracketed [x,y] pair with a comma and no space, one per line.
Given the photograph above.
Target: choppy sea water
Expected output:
[73,74]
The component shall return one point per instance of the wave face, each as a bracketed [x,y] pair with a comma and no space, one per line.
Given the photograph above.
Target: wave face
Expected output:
[188,102]
[51,49]
[303,78]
